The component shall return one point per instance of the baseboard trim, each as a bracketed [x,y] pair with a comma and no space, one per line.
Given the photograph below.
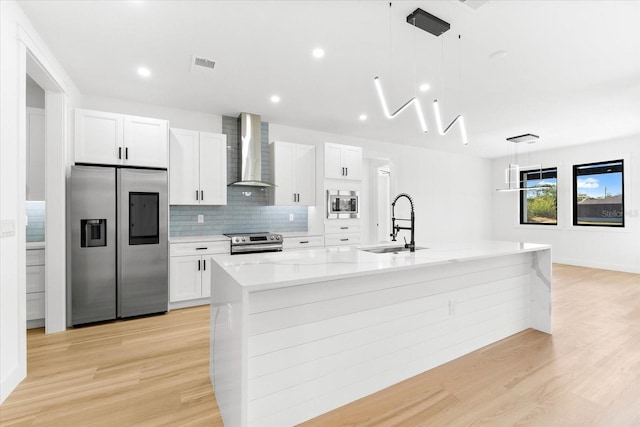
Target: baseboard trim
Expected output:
[602,266]
[12,380]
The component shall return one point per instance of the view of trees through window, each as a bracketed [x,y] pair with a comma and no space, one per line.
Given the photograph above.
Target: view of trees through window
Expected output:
[540,204]
[598,194]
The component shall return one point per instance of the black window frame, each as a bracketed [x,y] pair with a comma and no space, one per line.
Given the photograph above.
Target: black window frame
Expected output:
[603,165]
[542,174]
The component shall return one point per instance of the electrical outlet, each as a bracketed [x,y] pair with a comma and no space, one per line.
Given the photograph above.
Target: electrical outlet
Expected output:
[8,228]
[200,219]
[453,307]
[290,217]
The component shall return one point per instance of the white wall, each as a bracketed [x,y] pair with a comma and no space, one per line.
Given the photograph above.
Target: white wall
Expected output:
[35,94]
[182,119]
[452,193]
[597,247]
[16,36]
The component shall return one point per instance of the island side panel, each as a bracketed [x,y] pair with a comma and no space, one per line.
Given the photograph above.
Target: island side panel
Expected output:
[541,291]
[313,348]
[228,346]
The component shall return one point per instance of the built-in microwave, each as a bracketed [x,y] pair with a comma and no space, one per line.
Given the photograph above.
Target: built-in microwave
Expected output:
[343,204]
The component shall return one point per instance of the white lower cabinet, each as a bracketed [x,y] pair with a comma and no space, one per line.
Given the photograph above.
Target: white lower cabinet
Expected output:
[342,233]
[190,271]
[35,288]
[306,242]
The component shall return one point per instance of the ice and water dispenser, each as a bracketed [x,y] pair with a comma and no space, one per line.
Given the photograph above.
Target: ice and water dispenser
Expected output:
[93,233]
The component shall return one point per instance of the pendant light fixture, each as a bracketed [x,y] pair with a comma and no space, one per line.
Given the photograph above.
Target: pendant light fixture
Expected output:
[532,163]
[433,25]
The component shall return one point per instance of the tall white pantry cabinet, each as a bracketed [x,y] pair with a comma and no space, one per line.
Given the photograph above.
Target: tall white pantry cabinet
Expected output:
[198,168]
[116,139]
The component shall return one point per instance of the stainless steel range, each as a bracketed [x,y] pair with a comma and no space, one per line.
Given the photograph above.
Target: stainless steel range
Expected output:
[247,243]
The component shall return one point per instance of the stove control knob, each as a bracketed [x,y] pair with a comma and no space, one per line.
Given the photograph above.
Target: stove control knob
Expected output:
[278,237]
[244,240]
[271,237]
[236,239]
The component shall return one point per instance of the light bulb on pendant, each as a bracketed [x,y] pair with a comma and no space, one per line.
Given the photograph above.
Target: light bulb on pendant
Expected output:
[459,118]
[413,100]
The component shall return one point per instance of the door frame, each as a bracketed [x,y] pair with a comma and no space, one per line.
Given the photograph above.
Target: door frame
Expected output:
[34,60]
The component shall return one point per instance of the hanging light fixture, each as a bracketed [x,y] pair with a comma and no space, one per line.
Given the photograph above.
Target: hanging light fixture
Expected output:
[515,166]
[433,25]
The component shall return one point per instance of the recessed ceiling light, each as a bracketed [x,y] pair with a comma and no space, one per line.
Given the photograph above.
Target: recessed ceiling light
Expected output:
[144,72]
[318,52]
[363,117]
[498,54]
[275,99]
[424,87]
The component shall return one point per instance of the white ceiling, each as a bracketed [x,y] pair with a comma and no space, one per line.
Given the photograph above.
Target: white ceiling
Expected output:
[571,73]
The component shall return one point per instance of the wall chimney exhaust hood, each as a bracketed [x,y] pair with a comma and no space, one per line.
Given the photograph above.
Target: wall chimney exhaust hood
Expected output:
[250,152]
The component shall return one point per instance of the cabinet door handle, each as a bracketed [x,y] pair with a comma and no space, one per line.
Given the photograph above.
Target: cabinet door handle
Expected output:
[344,228]
[304,241]
[201,249]
[346,171]
[198,265]
[119,152]
[197,195]
[204,263]
[201,194]
[344,240]
[126,153]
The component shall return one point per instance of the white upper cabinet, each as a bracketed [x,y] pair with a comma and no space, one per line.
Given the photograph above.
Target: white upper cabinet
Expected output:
[213,168]
[293,168]
[117,139]
[342,161]
[145,141]
[198,168]
[99,137]
[184,167]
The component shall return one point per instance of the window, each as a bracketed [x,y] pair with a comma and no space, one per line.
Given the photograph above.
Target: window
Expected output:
[598,194]
[540,204]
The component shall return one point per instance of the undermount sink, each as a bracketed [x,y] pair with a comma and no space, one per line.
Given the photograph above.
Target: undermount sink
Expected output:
[389,249]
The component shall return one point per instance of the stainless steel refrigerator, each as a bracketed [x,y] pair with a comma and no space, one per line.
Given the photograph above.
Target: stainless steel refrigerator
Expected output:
[119,256]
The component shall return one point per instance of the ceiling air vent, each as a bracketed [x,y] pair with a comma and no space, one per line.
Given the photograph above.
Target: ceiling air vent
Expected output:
[199,64]
[527,137]
[474,4]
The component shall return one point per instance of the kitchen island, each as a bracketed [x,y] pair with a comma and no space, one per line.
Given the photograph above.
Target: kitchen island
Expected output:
[297,334]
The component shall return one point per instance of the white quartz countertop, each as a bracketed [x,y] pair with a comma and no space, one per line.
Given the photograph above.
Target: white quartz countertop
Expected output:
[282,269]
[196,239]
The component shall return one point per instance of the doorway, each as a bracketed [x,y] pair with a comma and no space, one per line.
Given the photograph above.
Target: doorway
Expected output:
[376,217]
[54,167]
[35,204]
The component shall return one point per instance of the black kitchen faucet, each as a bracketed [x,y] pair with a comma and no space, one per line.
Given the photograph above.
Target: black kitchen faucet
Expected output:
[396,228]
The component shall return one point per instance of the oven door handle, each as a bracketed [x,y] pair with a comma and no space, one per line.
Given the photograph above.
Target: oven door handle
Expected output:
[256,248]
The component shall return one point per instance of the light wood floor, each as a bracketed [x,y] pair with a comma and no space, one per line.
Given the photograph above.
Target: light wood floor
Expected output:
[154,371]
